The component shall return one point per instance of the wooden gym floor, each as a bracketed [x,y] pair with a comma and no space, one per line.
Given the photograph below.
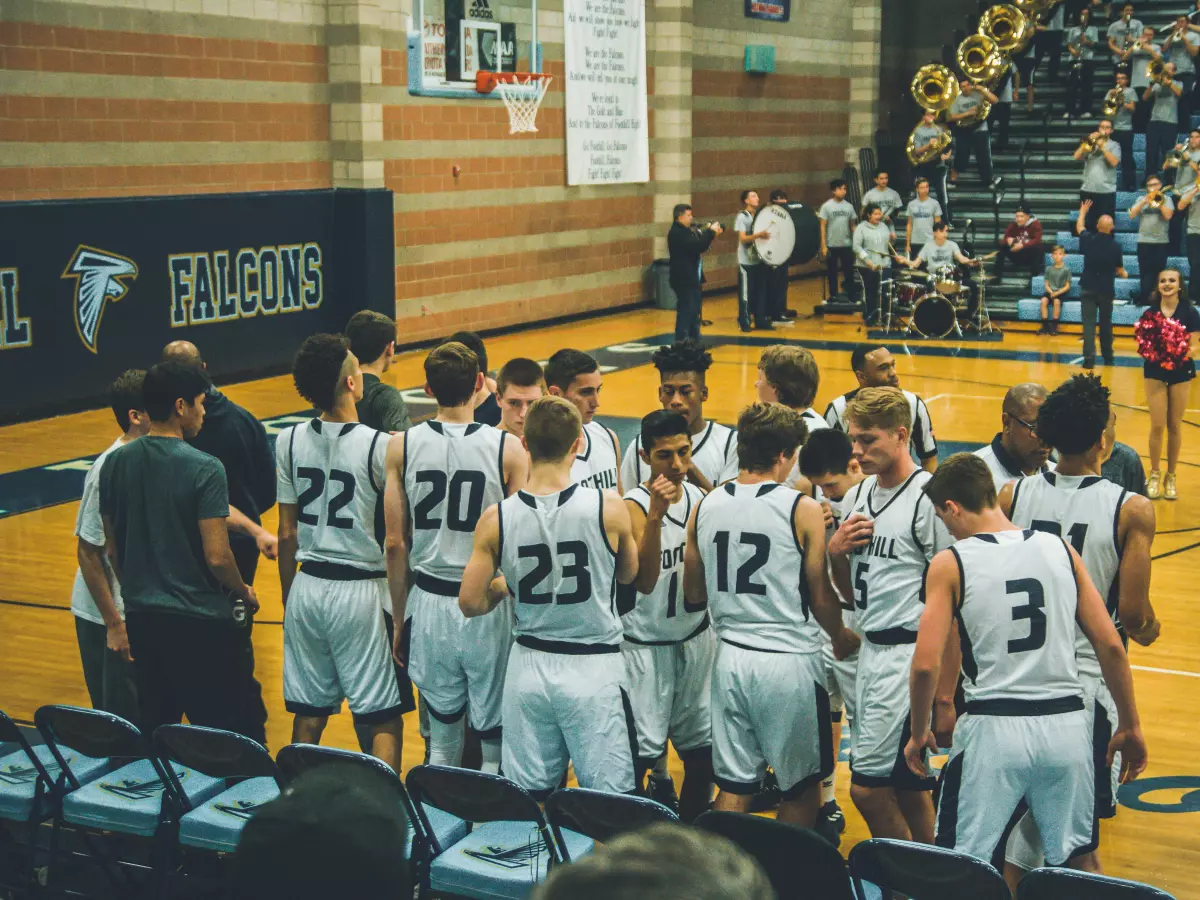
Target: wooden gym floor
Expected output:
[1156,835]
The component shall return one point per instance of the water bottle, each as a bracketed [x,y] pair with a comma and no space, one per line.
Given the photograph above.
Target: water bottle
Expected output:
[241,613]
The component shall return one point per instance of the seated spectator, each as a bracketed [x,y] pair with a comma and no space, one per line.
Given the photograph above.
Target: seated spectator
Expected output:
[1022,243]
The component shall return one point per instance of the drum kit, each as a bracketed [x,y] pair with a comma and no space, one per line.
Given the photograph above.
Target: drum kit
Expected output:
[934,304]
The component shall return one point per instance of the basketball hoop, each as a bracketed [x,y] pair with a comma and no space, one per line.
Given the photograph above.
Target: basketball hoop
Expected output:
[522,93]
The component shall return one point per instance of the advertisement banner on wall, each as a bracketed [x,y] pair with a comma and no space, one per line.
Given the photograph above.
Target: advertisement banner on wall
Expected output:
[91,288]
[769,10]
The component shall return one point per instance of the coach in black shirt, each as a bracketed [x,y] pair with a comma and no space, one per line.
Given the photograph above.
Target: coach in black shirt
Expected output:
[372,337]
[1102,262]
[686,275]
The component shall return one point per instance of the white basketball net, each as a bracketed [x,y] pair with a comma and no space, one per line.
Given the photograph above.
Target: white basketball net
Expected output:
[522,98]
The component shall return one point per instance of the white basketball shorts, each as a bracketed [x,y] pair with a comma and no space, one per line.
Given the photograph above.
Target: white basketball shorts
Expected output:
[458,663]
[769,709]
[881,719]
[669,688]
[1000,763]
[561,707]
[335,648]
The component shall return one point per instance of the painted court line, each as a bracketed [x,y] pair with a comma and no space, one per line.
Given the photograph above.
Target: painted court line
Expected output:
[1166,671]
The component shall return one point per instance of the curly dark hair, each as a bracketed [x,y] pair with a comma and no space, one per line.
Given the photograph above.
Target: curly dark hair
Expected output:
[1075,415]
[684,356]
[318,367]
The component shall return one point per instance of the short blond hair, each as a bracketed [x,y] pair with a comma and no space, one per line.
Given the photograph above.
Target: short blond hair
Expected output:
[552,426]
[793,373]
[765,432]
[880,407]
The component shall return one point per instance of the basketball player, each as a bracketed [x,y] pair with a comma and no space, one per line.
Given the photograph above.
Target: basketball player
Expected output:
[440,478]
[1016,450]
[1025,740]
[561,549]
[575,375]
[747,542]
[878,556]
[874,366]
[789,375]
[668,650]
[1112,530]
[682,389]
[331,475]
[518,384]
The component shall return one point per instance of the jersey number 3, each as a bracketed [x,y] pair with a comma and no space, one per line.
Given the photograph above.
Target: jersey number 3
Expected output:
[1032,611]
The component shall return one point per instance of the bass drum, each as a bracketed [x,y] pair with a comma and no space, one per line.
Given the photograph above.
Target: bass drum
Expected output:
[794,239]
[933,316]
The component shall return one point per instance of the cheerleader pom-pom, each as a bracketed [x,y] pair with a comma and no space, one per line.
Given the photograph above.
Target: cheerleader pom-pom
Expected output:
[1149,336]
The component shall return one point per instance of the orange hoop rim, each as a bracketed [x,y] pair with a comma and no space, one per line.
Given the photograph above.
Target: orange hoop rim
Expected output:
[486,82]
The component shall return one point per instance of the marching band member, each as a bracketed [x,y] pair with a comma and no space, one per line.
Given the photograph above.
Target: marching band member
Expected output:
[1139,55]
[1164,117]
[1101,155]
[972,135]
[1126,99]
[923,213]
[872,259]
[1193,233]
[926,136]
[943,253]
[1154,210]
[1181,47]
[1123,34]
[1081,41]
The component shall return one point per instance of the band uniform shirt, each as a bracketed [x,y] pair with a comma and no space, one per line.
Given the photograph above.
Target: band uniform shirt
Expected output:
[1185,175]
[938,256]
[1193,215]
[1153,226]
[90,526]
[871,245]
[926,133]
[922,214]
[922,442]
[747,254]
[1057,277]
[1166,104]
[1102,257]
[1139,61]
[965,103]
[1002,464]
[887,200]
[1125,468]
[714,453]
[1087,52]
[597,465]
[684,247]
[334,472]
[1185,63]
[1098,176]
[1123,120]
[1123,35]
[155,490]
[382,406]
[839,216]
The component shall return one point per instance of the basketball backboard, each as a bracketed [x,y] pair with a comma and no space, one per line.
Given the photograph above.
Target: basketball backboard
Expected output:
[451,41]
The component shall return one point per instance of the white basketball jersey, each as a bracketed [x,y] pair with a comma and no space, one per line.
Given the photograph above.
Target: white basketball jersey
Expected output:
[1017,616]
[754,568]
[714,451]
[659,617]
[334,473]
[452,473]
[814,423]
[922,441]
[560,568]
[888,573]
[597,465]
[1084,510]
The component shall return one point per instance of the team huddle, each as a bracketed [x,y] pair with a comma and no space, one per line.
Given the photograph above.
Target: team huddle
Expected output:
[729,591]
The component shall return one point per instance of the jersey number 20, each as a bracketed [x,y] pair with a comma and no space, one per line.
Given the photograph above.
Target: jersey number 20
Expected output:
[464,481]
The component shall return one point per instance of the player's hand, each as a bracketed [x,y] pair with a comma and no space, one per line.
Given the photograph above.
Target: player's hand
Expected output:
[914,754]
[1132,746]
[117,640]
[845,644]
[498,590]
[268,544]
[399,652]
[945,716]
[251,599]
[1148,635]
[853,534]
[661,490]
[827,512]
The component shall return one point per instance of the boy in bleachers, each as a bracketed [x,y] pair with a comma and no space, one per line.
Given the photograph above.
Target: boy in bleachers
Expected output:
[1058,283]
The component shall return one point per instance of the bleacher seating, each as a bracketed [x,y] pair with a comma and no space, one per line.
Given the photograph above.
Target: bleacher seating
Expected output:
[1074,262]
[1123,313]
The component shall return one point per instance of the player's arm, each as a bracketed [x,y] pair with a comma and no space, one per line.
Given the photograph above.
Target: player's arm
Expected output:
[110,544]
[289,543]
[839,576]
[617,455]
[516,464]
[268,544]
[395,544]
[1005,498]
[218,556]
[808,523]
[95,576]
[1136,531]
[619,532]
[1094,619]
[647,534]
[481,591]
[927,444]
[695,587]
[941,592]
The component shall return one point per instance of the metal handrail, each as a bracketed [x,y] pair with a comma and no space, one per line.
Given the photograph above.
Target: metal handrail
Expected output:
[1045,140]
[1021,163]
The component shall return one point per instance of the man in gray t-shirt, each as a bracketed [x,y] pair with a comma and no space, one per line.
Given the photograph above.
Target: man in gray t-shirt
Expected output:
[1153,234]
[886,199]
[971,134]
[1100,173]
[1081,42]
[752,284]
[924,135]
[837,219]
[923,213]
[1164,117]
[1193,230]
[1123,127]
[1181,47]
[1123,33]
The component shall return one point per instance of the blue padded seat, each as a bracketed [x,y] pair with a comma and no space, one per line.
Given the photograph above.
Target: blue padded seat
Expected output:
[1126,288]
[129,800]
[502,860]
[217,824]
[1124,314]
[18,778]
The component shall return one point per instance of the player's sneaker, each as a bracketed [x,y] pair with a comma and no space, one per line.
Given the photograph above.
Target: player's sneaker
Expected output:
[832,813]
[662,790]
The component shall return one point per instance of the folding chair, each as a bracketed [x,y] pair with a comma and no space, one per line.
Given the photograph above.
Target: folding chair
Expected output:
[1069,884]
[599,816]
[799,862]
[509,848]
[922,872]
[295,759]
[244,766]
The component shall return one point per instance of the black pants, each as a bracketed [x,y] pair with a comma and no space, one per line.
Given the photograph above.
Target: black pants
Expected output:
[1186,103]
[841,259]
[687,311]
[1091,304]
[935,173]
[1160,140]
[999,121]
[1193,255]
[775,294]
[1128,179]
[752,293]
[1081,88]
[1027,258]
[1141,113]
[872,286]
[1152,259]
[1102,205]
[978,142]
[194,667]
[1048,44]
[109,678]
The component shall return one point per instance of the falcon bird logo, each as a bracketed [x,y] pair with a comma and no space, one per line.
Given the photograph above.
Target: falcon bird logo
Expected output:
[99,275]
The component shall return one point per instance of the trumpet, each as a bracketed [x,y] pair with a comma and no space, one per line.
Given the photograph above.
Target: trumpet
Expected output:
[1156,199]
[1156,71]
[1175,159]
[980,60]
[1112,102]
[934,88]
[1008,27]
[1091,143]
[920,155]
